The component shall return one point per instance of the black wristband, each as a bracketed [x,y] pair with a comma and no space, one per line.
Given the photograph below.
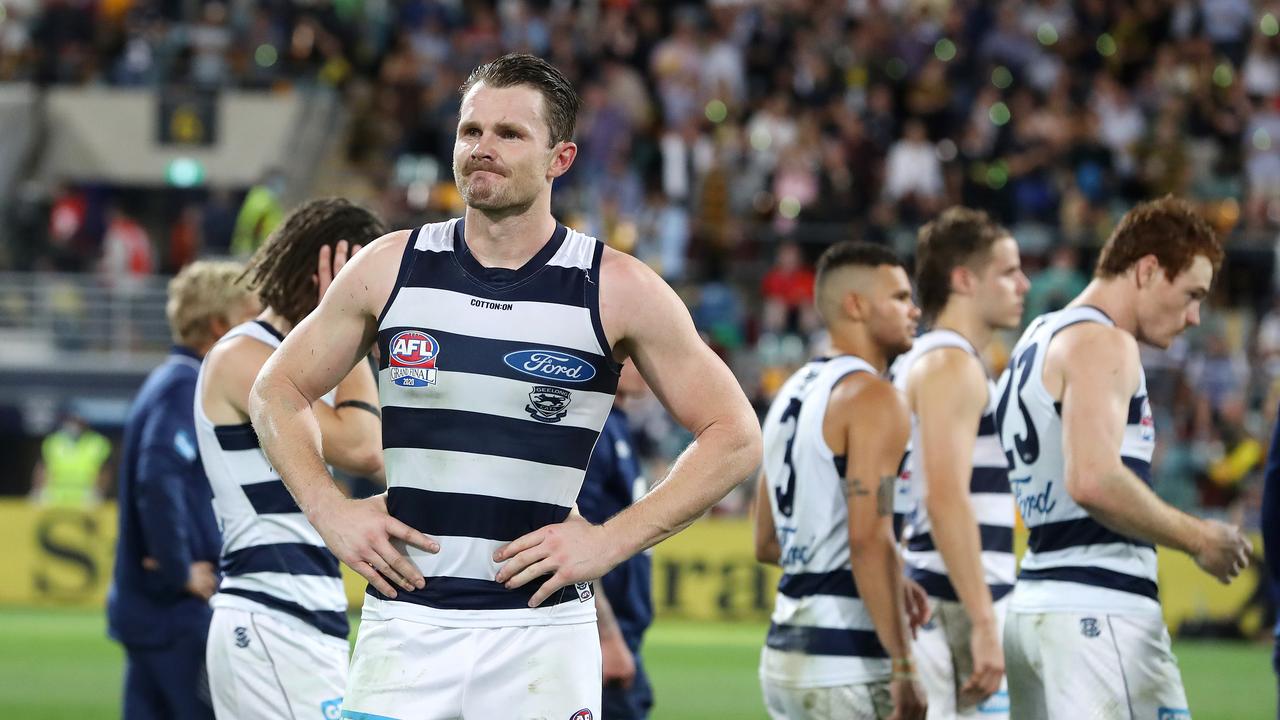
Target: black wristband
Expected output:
[360,404]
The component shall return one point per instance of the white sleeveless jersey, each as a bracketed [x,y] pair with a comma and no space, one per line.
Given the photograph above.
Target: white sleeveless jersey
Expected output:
[989,490]
[817,614]
[1073,563]
[494,385]
[272,559]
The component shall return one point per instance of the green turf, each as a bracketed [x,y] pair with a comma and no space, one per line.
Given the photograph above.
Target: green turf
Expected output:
[59,664]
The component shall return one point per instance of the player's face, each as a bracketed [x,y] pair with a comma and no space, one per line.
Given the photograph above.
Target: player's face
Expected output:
[501,156]
[1002,286]
[893,316]
[1167,307]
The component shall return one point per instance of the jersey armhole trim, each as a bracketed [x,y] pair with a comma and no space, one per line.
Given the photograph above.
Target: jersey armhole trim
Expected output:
[402,276]
[593,306]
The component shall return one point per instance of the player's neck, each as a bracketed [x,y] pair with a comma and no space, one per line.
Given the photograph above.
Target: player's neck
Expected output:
[275,320]
[856,341]
[1113,296]
[964,320]
[509,241]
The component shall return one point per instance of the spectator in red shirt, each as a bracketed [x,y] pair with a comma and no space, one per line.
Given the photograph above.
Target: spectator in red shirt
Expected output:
[787,290]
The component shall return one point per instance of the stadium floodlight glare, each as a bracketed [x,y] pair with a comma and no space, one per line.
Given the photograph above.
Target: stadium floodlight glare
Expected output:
[1269,25]
[1106,45]
[999,113]
[184,172]
[1047,34]
[1001,77]
[944,50]
[717,111]
[1223,75]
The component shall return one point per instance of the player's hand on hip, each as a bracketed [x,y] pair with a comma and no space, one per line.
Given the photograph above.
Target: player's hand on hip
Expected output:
[1224,551]
[917,604]
[570,552]
[360,533]
[988,664]
[619,666]
[909,701]
[202,581]
[329,263]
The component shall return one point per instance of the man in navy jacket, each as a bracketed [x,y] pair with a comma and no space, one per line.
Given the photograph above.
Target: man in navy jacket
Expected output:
[168,537]
[1271,534]
[624,602]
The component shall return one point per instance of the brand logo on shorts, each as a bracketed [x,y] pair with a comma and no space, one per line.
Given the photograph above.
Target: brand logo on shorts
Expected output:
[584,591]
[242,637]
[331,709]
[1089,627]
[548,404]
[1173,714]
[550,365]
[413,356]
[583,714]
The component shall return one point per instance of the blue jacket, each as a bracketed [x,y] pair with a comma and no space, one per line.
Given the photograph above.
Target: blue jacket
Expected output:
[165,512]
[612,483]
[1271,515]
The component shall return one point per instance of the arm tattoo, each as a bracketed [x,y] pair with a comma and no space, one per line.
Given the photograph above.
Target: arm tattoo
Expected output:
[884,496]
[853,486]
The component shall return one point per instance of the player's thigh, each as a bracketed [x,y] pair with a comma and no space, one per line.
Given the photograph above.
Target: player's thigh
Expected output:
[864,701]
[402,669]
[1084,669]
[935,663]
[1152,679]
[523,673]
[1024,667]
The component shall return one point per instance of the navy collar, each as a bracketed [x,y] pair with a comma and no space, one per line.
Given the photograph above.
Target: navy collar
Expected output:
[499,279]
[184,351]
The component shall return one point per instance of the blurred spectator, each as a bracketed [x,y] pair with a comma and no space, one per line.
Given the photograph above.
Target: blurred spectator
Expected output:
[127,256]
[787,291]
[913,175]
[72,471]
[261,212]
[1056,285]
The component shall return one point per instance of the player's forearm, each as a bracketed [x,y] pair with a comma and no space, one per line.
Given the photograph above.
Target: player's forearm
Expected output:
[768,549]
[290,436]
[718,460]
[1124,504]
[877,571]
[352,434]
[955,534]
[606,620]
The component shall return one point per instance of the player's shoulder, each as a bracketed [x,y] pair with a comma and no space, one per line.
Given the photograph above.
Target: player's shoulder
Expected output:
[1094,342]
[387,249]
[242,353]
[620,271]
[868,395]
[946,364]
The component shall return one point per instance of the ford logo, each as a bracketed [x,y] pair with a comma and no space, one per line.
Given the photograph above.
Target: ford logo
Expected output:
[550,365]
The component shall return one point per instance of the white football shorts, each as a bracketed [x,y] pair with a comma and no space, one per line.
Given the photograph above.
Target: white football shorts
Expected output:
[1070,665]
[861,701]
[945,662]
[267,666]
[406,670]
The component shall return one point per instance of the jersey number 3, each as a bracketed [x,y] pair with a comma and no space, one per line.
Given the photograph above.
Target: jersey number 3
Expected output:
[785,494]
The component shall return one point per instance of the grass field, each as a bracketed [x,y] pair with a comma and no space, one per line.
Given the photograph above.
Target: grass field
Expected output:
[59,665]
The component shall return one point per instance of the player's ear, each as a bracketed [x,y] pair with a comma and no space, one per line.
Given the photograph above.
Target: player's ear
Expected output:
[962,280]
[1145,269]
[854,305]
[562,157]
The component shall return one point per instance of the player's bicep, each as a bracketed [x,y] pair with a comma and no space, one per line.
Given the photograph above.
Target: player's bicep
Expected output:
[878,429]
[1098,380]
[949,402]
[692,382]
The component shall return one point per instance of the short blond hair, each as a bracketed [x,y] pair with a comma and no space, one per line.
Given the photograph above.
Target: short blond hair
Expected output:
[204,290]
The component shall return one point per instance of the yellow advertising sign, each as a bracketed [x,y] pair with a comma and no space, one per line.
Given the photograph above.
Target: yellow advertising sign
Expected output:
[58,556]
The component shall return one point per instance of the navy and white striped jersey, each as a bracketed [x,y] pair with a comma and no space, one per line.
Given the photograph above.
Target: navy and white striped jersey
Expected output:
[1073,563]
[494,385]
[821,634]
[272,559]
[989,490]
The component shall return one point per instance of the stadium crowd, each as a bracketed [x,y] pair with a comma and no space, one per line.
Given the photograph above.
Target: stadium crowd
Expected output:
[727,144]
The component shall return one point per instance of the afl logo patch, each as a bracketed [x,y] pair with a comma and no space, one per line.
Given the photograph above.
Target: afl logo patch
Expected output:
[550,365]
[412,359]
[583,714]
